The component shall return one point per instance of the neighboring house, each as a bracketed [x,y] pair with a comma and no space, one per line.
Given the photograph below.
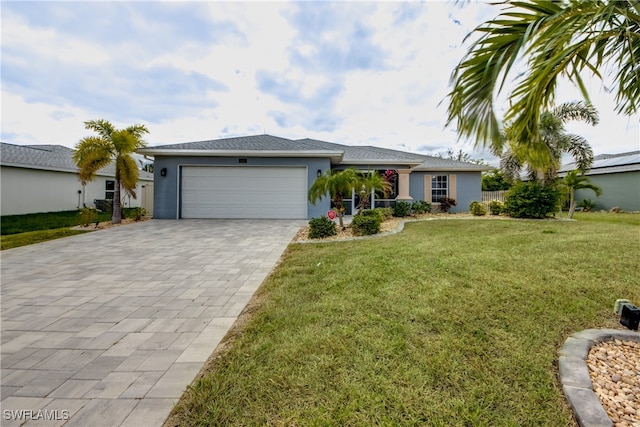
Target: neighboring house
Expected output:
[265,176]
[618,175]
[44,178]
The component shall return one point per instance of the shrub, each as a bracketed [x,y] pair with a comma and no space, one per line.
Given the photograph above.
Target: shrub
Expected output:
[367,222]
[531,200]
[321,227]
[139,213]
[496,207]
[446,203]
[88,215]
[385,213]
[477,208]
[420,207]
[587,205]
[401,208]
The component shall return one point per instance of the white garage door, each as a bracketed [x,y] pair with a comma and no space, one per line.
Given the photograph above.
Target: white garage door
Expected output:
[244,192]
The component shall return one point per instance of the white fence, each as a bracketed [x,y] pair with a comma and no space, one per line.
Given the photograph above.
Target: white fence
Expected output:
[488,196]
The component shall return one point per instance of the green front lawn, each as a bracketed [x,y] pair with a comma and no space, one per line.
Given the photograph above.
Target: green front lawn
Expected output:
[14,224]
[451,322]
[31,237]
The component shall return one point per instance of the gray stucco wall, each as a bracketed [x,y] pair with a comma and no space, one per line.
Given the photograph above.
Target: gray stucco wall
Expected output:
[166,187]
[618,189]
[468,187]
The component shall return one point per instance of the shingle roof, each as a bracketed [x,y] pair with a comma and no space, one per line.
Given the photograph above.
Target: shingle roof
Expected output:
[340,153]
[241,143]
[53,157]
[47,157]
[610,163]
[354,154]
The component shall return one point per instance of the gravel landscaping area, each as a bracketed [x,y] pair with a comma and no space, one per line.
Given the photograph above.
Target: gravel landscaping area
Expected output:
[614,367]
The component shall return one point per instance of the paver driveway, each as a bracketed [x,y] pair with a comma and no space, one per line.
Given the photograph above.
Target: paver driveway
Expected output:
[108,328]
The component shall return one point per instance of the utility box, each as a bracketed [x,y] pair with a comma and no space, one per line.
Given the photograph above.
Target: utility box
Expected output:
[630,316]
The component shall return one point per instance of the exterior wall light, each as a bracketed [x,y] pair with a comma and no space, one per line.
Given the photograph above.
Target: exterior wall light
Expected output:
[163,172]
[319,173]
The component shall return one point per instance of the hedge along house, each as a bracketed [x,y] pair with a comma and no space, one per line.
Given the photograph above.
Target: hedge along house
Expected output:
[44,178]
[618,175]
[265,176]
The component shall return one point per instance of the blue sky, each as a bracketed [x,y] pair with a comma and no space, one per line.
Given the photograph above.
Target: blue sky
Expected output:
[360,73]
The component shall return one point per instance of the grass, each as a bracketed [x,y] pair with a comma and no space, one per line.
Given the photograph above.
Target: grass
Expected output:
[14,224]
[449,323]
[31,237]
[22,230]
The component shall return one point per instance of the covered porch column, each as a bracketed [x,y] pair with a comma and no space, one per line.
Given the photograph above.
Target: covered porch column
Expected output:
[403,184]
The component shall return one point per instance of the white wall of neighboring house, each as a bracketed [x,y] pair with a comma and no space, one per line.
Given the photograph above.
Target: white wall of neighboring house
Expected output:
[25,190]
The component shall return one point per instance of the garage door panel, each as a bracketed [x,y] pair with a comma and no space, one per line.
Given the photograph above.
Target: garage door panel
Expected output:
[244,192]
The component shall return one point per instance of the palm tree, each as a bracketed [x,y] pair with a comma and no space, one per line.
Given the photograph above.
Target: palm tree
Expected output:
[556,143]
[550,39]
[335,184]
[574,181]
[111,145]
[371,182]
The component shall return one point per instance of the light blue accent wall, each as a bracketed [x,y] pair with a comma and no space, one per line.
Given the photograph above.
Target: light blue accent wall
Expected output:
[166,191]
[468,187]
[618,189]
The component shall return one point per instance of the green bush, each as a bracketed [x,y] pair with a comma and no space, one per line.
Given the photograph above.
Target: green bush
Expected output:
[366,223]
[373,212]
[496,207]
[420,207]
[321,227]
[88,215]
[385,213]
[477,208]
[138,213]
[587,205]
[446,203]
[401,208]
[531,200]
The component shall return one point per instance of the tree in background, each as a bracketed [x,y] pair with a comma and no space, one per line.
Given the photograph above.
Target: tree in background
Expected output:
[551,39]
[556,142]
[461,156]
[111,145]
[495,180]
[573,182]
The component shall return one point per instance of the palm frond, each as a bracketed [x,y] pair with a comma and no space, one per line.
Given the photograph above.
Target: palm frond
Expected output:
[556,39]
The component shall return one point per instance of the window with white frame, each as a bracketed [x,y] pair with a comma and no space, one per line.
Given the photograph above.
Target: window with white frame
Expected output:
[439,187]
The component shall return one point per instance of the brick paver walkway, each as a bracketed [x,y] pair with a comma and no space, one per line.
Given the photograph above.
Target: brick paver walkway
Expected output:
[108,328]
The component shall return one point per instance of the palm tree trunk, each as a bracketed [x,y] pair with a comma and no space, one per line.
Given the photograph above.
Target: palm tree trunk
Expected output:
[116,215]
[572,203]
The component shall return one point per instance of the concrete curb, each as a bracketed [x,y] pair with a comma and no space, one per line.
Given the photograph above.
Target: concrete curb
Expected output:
[574,374]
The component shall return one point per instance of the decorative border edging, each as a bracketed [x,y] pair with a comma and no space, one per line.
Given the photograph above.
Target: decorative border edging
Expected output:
[575,378]
[398,229]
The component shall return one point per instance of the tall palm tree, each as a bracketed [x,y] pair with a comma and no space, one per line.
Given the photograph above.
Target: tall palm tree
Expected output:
[111,145]
[550,39]
[574,181]
[557,142]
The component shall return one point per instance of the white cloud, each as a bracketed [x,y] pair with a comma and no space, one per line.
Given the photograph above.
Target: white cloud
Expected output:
[356,73]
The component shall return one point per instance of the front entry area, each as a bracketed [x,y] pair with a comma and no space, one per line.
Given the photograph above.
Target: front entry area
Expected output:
[244,192]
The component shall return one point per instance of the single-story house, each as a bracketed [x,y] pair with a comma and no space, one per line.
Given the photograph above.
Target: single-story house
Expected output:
[264,176]
[44,178]
[618,175]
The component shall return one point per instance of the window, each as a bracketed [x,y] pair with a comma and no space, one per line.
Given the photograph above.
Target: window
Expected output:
[439,187]
[110,188]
